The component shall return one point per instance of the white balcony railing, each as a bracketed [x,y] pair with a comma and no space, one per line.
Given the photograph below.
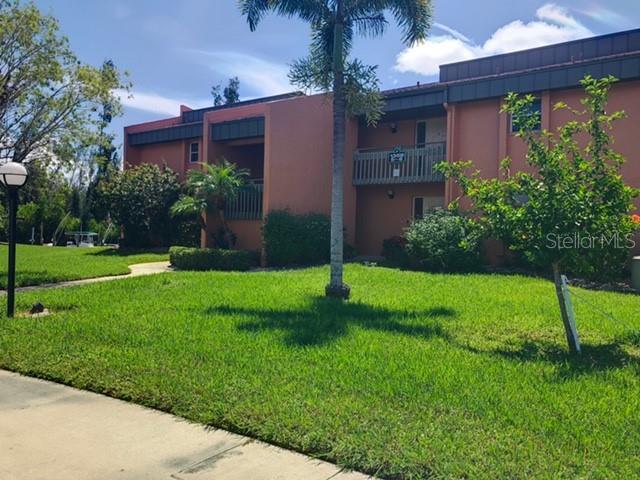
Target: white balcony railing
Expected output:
[412,165]
[247,205]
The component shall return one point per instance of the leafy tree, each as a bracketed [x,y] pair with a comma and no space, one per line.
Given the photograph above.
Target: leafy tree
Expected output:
[575,190]
[209,190]
[104,154]
[47,195]
[48,98]
[230,94]
[139,200]
[354,85]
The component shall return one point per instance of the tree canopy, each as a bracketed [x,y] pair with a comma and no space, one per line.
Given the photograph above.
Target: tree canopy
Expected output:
[49,100]
[230,94]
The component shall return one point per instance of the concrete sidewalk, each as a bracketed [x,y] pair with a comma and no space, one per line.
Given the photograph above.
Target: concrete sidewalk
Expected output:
[53,432]
[137,270]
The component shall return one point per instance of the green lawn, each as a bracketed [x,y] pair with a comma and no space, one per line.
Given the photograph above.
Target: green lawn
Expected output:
[418,376]
[36,264]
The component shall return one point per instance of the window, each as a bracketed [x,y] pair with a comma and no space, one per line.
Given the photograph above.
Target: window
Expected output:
[535,108]
[423,205]
[194,152]
[418,207]
[421,134]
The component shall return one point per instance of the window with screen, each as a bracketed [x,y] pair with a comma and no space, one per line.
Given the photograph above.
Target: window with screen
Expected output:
[418,208]
[194,152]
[421,134]
[534,109]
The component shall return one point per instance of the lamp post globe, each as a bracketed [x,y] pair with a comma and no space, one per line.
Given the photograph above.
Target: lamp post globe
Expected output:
[13,176]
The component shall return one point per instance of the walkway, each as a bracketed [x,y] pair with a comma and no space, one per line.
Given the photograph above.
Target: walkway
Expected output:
[53,432]
[137,270]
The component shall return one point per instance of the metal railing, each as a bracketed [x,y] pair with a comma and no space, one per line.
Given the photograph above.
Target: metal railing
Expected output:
[247,205]
[373,167]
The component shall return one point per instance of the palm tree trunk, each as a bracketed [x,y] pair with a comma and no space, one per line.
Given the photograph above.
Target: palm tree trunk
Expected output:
[226,231]
[336,287]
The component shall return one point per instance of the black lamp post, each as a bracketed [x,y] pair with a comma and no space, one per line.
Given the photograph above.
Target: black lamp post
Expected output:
[13,176]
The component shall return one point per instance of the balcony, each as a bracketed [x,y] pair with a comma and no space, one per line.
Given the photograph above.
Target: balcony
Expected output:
[248,204]
[402,165]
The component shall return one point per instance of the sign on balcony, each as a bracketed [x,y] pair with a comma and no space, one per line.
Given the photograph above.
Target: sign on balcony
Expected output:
[397,157]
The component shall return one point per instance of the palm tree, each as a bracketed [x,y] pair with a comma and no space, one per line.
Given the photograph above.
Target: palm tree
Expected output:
[333,24]
[209,190]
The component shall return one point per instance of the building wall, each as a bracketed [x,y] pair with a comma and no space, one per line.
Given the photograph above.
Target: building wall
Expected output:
[174,155]
[380,217]
[248,234]
[480,133]
[383,136]
[298,158]
[624,96]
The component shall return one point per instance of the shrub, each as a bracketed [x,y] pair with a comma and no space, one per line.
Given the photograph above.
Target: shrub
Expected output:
[186,231]
[394,250]
[296,239]
[139,199]
[187,258]
[444,242]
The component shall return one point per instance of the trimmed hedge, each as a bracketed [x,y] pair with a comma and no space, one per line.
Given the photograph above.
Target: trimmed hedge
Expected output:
[186,258]
[296,239]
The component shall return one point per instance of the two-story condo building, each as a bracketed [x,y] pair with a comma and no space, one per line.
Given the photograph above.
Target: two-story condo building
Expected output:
[285,140]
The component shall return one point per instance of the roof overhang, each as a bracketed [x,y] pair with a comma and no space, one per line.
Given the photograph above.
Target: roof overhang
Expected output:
[168,134]
[237,129]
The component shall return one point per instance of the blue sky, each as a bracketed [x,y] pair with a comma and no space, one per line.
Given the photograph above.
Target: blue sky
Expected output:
[175,51]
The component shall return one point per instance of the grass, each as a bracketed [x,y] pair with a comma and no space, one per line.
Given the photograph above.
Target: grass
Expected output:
[36,264]
[418,376]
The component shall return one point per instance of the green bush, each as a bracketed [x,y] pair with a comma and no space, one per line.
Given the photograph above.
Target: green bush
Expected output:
[394,251]
[296,239]
[186,231]
[444,242]
[187,258]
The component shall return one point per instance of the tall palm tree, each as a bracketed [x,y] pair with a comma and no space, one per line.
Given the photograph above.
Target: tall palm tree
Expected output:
[209,190]
[333,24]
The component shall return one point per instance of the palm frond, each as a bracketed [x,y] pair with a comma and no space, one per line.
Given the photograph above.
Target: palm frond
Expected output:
[373,25]
[208,185]
[254,10]
[413,16]
[186,205]
[310,11]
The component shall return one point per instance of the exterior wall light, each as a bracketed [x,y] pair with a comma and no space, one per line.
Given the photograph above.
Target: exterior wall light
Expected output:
[13,176]
[394,127]
[391,194]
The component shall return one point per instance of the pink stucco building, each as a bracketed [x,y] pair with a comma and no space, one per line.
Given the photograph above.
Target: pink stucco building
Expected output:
[285,141]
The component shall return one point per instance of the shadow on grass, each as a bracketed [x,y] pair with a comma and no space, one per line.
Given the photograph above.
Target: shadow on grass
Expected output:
[594,358]
[324,321]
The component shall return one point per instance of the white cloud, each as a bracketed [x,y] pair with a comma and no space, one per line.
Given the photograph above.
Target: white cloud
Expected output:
[154,103]
[554,24]
[451,31]
[261,77]
[606,16]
